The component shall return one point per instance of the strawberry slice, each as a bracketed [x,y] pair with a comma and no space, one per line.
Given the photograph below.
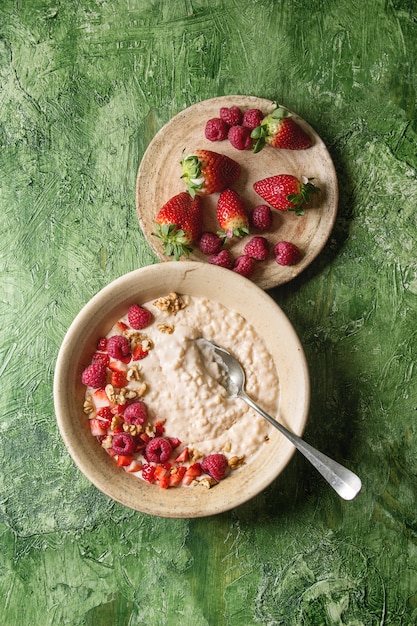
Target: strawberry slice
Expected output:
[192,473]
[148,472]
[135,466]
[118,379]
[123,460]
[183,457]
[176,477]
[139,353]
[97,427]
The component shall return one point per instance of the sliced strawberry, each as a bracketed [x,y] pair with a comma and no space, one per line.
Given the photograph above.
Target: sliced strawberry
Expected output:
[174,441]
[100,398]
[102,344]
[115,366]
[121,326]
[118,379]
[192,473]
[148,472]
[159,428]
[183,457]
[97,428]
[124,460]
[176,477]
[139,353]
[135,466]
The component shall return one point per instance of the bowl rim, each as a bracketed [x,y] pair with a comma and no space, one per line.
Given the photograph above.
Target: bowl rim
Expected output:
[103,473]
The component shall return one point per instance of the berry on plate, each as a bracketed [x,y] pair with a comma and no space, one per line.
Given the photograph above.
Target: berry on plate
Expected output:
[210,243]
[231,115]
[179,224]
[239,137]
[232,214]
[216,129]
[252,118]
[222,259]
[286,192]
[279,130]
[286,253]
[244,265]
[206,172]
[261,217]
[257,248]
[215,465]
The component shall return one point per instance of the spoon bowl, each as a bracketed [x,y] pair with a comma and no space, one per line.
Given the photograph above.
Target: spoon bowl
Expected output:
[346,484]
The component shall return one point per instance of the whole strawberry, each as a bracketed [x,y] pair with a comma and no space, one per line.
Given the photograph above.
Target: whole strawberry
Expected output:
[179,224]
[279,130]
[206,172]
[286,192]
[232,214]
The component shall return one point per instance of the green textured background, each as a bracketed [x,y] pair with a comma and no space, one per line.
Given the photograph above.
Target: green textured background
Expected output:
[84,86]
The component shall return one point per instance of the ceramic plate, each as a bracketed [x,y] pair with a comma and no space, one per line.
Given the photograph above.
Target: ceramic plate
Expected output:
[159,178]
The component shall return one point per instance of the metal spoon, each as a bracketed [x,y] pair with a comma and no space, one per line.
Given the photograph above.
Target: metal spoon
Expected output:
[343,481]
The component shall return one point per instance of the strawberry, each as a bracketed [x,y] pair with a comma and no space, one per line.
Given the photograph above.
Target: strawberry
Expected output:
[286,192]
[232,214]
[179,224]
[279,130]
[176,476]
[206,172]
[98,428]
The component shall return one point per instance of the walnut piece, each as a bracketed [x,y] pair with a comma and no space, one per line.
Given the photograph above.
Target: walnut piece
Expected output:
[236,461]
[168,329]
[88,406]
[172,303]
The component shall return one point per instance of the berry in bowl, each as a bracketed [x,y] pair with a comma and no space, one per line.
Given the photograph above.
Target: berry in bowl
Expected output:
[148,421]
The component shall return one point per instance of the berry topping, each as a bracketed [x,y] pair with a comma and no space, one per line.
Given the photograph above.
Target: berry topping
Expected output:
[286,253]
[222,259]
[135,413]
[123,444]
[252,118]
[244,265]
[95,375]
[257,248]
[102,343]
[216,129]
[105,413]
[261,217]
[231,115]
[158,450]
[215,465]
[139,317]
[210,243]
[100,357]
[118,346]
[239,137]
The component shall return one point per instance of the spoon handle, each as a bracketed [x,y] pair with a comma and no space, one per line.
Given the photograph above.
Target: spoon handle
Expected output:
[343,481]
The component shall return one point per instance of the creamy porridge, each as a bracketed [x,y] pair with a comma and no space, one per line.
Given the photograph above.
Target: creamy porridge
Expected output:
[185,401]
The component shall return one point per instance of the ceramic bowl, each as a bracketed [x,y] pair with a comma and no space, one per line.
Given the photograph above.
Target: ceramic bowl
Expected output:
[97,317]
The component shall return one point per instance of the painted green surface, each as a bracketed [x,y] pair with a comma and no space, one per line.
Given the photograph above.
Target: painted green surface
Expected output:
[84,86]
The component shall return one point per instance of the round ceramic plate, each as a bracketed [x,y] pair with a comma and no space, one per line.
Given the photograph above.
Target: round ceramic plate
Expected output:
[159,178]
[99,315]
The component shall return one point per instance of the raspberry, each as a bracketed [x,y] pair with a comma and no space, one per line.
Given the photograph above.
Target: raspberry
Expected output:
[210,243]
[244,265]
[102,343]
[118,347]
[100,357]
[222,259]
[257,248]
[139,317]
[95,375]
[261,217]
[231,115]
[286,253]
[215,465]
[123,444]
[252,118]
[216,129]
[135,413]
[158,450]
[239,137]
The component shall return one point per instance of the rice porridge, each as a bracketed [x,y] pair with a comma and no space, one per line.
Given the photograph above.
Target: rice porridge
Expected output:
[186,403]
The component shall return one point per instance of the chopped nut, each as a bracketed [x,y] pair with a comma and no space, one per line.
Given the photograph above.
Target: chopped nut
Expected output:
[236,461]
[116,422]
[141,390]
[110,393]
[150,430]
[168,329]
[194,455]
[107,442]
[227,446]
[206,482]
[266,438]
[133,372]
[132,429]
[147,344]
[130,394]
[88,406]
[172,303]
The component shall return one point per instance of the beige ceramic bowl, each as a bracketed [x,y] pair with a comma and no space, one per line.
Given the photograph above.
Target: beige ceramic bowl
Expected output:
[96,318]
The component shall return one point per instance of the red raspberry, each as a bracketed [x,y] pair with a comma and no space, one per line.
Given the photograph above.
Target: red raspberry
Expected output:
[239,137]
[286,253]
[139,317]
[158,450]
[222,259]
[123,444]
[261,217]
[215,465]
[252,118]
[216,129]
[231,115]
[118,347]
[95,375]
[135,413]
[100,357]
[118,379]
[244,265]
[210,243]
[257,248]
